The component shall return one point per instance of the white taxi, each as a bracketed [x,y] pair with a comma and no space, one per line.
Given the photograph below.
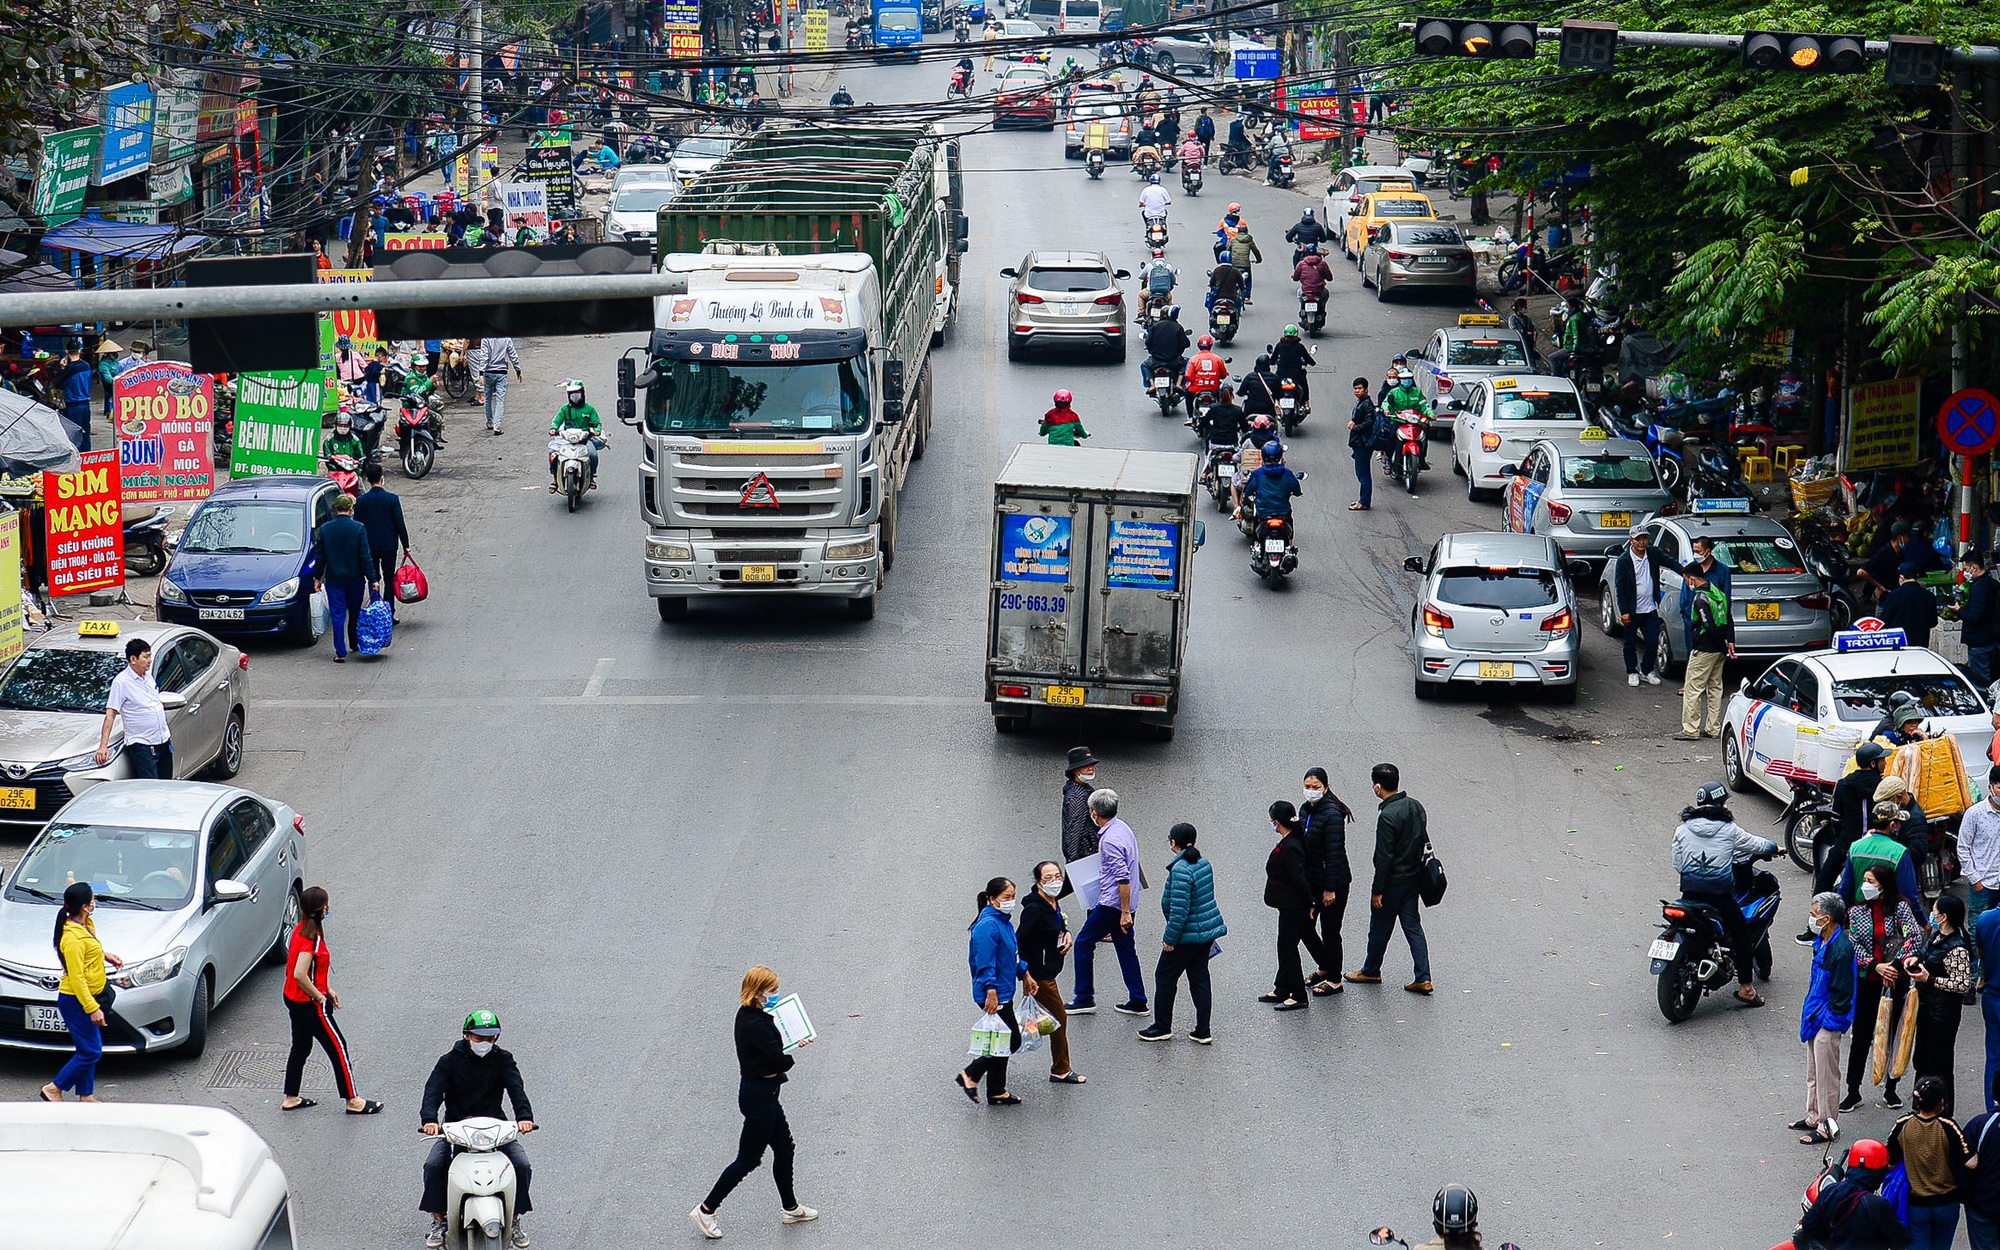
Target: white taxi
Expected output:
[1499,419]
[1846,686]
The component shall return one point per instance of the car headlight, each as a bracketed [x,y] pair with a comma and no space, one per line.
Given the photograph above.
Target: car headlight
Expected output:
[283,592]
[152,971]
[170,593]
[614,235]
[851,551]
[77,763]
[657,550]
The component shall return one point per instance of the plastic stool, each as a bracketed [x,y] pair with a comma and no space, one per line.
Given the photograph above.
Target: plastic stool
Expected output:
[1756,468]
[1788,457]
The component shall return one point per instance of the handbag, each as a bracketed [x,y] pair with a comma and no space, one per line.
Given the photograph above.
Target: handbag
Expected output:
[1430,878]
[376,628]
[105,997]
[411,585]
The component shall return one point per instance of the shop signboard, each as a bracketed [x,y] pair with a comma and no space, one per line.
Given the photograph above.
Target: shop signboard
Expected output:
[526,204]
[355,324]
[68,157]
[13,637]
[128,132]
[176,124]
[1882,426]
[550,166]
[82,526]
[165,417]
[277,422]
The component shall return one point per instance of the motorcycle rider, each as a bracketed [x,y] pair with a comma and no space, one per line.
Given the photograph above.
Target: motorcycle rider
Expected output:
[1712,854]
[418,387]
[1236,148]
[1849,1214]
[1225,281]
[1291,359]
[466,1084]
[1206,372]
[1306,236]
[1405,397]
[1225,230]
[1243,253]
[1060,424]
[1192,152]
[345,442]
[1154,200]
[1147,98]
[1274,162]
[1260,389]
[1312,273]
[1389,377]
[1271,487]
[841,98]
[1166,346]
[1157,277]
[1223,426]
[576,415]
[1455,1217]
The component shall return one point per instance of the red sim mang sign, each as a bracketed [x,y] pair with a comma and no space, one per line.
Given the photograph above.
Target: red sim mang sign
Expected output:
[82,526]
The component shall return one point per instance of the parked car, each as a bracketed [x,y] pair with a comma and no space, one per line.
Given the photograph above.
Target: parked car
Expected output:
[1459,355]
[1020,28]
[1071,298]
[632,214]
[1025,97]
[1184,53]
[1494,609]
[1379,207]
[52,711]
[245,562]
[1586,492]
[1414,254]
[1355,183]
[1496,421]
[197,884]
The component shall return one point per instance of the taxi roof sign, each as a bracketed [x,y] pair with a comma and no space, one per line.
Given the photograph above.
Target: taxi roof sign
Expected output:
[1870,640]
[1740,507]
[97,629]
[1593,433]
[1479,319]
[1505,384]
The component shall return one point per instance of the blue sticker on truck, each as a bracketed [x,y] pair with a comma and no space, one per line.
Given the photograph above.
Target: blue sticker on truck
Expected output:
[1034,548]
[1145,555]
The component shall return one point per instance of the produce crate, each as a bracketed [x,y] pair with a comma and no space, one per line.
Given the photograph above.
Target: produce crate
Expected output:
[1814,493]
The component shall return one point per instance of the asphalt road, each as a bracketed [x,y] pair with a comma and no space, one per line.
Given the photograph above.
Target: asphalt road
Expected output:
[546,802]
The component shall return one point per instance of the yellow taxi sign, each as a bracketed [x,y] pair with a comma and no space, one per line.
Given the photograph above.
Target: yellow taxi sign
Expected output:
[1479,319]
[1592,434]
[97,629]
[1504,384]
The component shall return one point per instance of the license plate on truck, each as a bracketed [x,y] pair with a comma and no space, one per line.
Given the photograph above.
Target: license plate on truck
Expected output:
[1063,696]
[760,572]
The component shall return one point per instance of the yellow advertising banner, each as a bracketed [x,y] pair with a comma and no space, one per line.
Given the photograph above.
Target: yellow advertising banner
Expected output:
[816,30]
[13,637]
[1882,426]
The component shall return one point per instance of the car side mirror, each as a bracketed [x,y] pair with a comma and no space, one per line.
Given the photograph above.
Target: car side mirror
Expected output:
[1579,570]
[1743,684]
[1510,470]
[1010,272]
[1121,274]
[172,700]
[227,891]
[1382,1237]
[1413,564]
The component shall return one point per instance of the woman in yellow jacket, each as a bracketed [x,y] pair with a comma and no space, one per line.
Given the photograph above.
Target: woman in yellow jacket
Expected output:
[83,961]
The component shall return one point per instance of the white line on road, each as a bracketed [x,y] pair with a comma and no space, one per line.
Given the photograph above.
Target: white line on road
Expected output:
[595,686]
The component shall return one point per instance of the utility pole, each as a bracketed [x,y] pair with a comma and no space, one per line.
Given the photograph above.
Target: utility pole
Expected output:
[476,80]
[1341,97]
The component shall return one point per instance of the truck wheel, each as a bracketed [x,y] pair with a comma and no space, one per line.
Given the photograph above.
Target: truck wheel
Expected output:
[672,609]
[886,530]
[861,609]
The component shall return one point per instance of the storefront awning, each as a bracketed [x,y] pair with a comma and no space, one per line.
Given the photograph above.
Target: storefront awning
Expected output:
[18,276]
[94,236]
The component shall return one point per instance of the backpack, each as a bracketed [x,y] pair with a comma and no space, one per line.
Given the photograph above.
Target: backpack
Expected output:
[1385,430]
[1161,280]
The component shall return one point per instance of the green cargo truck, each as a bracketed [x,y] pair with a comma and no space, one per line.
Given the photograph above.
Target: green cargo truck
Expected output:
[788,384]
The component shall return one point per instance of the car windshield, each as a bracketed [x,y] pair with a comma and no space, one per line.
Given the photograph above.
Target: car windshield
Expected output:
[1538,406]
[145,868]
[1939,694]
[1486,352]
[1095,112]
[704,395]
[703,146]
[1609,472]
[46,679]
[1068,281]
[1499,588]
[1432,235]
[1081,8]
[1403,208]
[246,528]
[1751,554]
[645,198]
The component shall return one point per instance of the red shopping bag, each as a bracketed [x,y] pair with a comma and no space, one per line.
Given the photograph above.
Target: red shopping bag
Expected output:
[411,584]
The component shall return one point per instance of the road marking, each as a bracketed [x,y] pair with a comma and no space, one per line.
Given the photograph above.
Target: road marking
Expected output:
[595,686]
[634,700]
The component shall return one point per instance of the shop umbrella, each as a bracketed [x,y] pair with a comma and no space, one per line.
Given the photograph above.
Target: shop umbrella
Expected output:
[34,437]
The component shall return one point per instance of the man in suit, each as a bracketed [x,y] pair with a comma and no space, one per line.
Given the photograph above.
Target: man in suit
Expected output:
[346,570]
[1635,589]
[381,514]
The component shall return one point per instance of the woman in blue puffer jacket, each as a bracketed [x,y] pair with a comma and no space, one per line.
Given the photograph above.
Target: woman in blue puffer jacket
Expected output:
[1194,923]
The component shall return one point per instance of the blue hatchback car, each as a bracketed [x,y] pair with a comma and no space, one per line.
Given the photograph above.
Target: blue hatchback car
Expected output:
[245,563]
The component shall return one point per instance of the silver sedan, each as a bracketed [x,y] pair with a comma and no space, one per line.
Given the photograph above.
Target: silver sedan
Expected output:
[1404,254]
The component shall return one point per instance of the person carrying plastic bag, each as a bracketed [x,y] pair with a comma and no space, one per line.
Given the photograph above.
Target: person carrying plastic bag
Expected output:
[996,965]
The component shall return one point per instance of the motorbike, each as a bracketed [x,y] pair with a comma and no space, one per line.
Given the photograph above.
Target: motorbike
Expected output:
[1312,313]
[1691,957]
[1408,458]
[1154,307]
[1387,1237]
[1278,171]
[572,452]
[1191,179]
[1222,320]
[1156,232]
[1807,818]
[1165,387]
[960,85]
[146,544]
[1234,156]
[1093,162]
[346,473]
[1292,406]
[455,370]
[418,433]
[479,1186]
[1197,403]
[1217,475]
[1273,556]
[1145,166]
[1827,557]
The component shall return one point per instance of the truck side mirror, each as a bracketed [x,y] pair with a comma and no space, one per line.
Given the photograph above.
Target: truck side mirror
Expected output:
[1200,534]
[628,409]
[892,412]
[628,375]
[892,381]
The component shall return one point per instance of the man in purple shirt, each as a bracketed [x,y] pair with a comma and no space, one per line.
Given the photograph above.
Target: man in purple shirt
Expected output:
[1118,886]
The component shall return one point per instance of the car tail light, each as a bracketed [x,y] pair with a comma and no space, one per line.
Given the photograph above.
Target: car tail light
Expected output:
[1674,913]
[243,662]
[1011,692]
[1116,297]
[1444,382]
[1814,602]
[299,824]
[1150,700]
[1559,513]
[1434,620]
[1022,297]
[1559,623]
[1489,441]
[1402,256]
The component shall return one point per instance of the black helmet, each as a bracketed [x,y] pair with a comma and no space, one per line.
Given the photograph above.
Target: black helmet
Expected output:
[1455,1210]
[1712,794]
[1263,363]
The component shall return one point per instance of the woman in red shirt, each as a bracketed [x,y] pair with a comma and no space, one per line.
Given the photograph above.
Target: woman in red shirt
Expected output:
[311,1005]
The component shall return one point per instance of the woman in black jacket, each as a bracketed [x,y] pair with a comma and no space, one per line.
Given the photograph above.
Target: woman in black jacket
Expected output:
[761,1058]
[1326,818]
[1288,889]
[1044,938]
[1943,976]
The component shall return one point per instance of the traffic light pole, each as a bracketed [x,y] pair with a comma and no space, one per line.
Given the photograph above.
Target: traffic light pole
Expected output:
[177,303]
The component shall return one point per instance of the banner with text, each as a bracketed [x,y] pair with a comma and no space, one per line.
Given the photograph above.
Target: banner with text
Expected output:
[82,526]
[69,157]
[552,169]
[1882,426]
[357,324]
[277,422]
[165,416]
[526,204]
[13,637]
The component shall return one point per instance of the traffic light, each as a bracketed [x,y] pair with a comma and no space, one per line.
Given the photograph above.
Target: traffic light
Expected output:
[580,316]
[1914,61]
[1450,36]
[1805,53]
[1588,45]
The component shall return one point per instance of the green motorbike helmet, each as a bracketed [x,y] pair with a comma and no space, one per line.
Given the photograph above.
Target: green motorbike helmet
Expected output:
[482,1023]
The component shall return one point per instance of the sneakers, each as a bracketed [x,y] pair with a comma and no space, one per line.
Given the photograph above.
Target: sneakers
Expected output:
[1081,1008]
[1685,736]
[1201,1039]
[1154,1033]
[798,1215]
[1632,679]
[1891,1099]
[1651,679]
[706,1223]
[1133,1008]
[1418,987]
[1852,1101]
[435,1238]
[1806,939]
[518,1236]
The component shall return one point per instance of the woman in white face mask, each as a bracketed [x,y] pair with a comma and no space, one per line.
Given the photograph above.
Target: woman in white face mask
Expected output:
[1045,939]
[996,966]
[1885,931]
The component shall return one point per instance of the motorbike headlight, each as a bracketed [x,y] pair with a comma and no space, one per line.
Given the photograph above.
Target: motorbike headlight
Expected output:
[170,593]
[851,551]
[283,592]
[152,971]
[657,550]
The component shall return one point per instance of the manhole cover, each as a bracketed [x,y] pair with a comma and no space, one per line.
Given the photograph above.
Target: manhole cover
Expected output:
[262,1069]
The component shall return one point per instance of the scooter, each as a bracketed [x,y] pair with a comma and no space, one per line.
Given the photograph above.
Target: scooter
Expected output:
[418,433]
[1154,307]
[1222,320]
[1165,387]
[1273,557]
[1278,173]
[346,473]
[960,86]
[1408,459]
[1292,409]
[1191,179]
[1145,167]
[1312,313]
[146,544]
[1807,818]
[571,449]
[1234,156]
[1218,474]
[1387,1237]
[1691,956]
[479,1186]
[1156,232]
[1093,162]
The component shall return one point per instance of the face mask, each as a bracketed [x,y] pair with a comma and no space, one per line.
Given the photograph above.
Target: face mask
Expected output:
[482,1049]
[770,1001]
[1006,907]
[1314,796]
[1052,888]
[1937,921]
[1870,891]
[1087,778]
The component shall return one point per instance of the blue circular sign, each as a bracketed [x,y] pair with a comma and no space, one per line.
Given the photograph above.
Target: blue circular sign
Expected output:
[1969,422]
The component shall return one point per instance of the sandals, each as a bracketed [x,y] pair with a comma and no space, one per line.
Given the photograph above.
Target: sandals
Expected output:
[971,1091]
[1067,1078]
[1003,1100]
[1327,987]
[368,1107]
[1755,1000]
[303,1103]
[1817,1137]
[1800,1126]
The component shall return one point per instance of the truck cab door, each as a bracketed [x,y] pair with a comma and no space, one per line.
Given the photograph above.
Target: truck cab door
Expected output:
[1134,637]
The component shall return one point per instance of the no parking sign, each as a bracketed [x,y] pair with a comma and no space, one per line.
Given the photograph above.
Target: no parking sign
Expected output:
[1969,422]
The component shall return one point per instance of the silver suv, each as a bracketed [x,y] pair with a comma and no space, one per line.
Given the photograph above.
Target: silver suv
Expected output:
[1495,610]
[1065,298]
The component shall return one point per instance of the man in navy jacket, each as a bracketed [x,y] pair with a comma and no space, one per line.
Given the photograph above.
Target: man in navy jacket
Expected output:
[347,572]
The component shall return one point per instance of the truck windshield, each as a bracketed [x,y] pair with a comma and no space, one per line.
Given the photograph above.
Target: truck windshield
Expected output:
[704,396]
